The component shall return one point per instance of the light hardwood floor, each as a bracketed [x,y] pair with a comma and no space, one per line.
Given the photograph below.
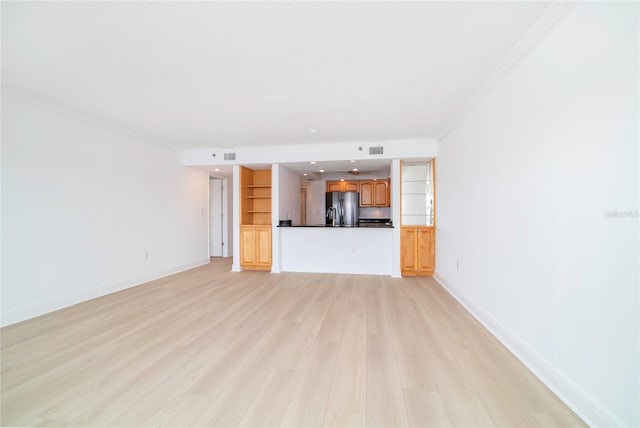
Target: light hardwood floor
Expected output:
[208,347]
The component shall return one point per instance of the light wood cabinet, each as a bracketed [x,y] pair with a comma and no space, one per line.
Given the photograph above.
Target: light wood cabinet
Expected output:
[381,193]
[334,186]
[255,196]
[255,247]
[342,186]
[374,193]
[255,226]
[417,214]
[408,250]
[417,250]
[366,193]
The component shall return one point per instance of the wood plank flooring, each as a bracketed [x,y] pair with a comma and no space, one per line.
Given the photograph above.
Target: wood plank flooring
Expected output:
[208,347]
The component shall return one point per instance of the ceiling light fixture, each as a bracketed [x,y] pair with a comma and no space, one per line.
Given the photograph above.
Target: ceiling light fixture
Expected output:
[312,162]
[322,170]
[305,174]
[217,170]
[342,179]
[352,161]
[355,169]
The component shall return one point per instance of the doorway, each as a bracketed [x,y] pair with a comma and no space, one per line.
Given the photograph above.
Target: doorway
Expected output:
[216,242]
[303,206]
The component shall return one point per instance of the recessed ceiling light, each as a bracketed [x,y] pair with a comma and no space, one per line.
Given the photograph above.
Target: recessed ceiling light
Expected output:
[217,169]
[312,162]
[313,131]
[322,170]
[342,179]
[305,174]
[355,169]
[352,161]
[374,179]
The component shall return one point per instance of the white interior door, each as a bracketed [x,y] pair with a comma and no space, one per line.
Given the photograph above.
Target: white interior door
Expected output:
[215,217]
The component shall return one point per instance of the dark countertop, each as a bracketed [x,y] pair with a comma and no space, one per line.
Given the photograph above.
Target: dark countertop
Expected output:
[360,226]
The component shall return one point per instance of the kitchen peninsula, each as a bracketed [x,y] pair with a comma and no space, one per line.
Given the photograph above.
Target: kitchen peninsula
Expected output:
[328,249]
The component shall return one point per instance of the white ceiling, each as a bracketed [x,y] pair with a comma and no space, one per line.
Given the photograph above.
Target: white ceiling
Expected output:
[229,74]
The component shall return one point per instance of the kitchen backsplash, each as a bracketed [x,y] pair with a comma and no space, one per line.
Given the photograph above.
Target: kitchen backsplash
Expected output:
[375,212]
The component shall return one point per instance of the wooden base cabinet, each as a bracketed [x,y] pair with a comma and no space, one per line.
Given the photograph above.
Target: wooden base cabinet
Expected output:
[417,250]
[255,247]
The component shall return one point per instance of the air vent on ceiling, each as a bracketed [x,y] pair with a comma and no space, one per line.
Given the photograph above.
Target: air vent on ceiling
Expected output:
[378,150]
[229,156]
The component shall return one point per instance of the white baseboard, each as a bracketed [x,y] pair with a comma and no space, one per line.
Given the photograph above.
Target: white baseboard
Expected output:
[32,311]
[585,406]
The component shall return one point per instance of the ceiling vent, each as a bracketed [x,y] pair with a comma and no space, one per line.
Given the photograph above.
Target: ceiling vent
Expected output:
[378,150]
[229,156]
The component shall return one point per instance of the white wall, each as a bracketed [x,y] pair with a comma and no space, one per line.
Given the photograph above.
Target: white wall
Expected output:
[526,180]
[316,203]
[289,203]
[82,205]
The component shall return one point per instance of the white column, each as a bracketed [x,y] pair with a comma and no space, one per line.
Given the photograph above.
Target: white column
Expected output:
[396,271]
[275,218]
[235,267]
[226,223]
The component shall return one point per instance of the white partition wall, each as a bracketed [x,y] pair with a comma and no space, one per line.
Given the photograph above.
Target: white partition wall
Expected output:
[537,188]
[87,211]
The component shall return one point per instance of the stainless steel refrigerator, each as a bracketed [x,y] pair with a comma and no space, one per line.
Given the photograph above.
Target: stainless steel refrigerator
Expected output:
[342,208]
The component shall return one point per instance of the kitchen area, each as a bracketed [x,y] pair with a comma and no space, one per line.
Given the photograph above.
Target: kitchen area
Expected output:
[347,227]
[374,218]
[287,213]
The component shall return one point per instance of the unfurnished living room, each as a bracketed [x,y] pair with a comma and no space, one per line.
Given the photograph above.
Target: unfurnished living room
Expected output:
[320,213]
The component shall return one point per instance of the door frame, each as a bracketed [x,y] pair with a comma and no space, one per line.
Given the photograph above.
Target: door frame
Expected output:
[226,217]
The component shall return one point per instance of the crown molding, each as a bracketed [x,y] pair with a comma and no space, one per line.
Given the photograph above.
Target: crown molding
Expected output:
[549,18]
[71,113]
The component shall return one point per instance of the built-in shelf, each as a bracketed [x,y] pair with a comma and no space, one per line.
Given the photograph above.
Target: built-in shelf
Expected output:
[255,196]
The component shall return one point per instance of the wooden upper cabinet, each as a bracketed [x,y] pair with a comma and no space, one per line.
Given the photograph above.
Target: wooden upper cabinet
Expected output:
[351,186]
[334,186]
[366,193]
[342,186]
[374,193]
[381,193]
